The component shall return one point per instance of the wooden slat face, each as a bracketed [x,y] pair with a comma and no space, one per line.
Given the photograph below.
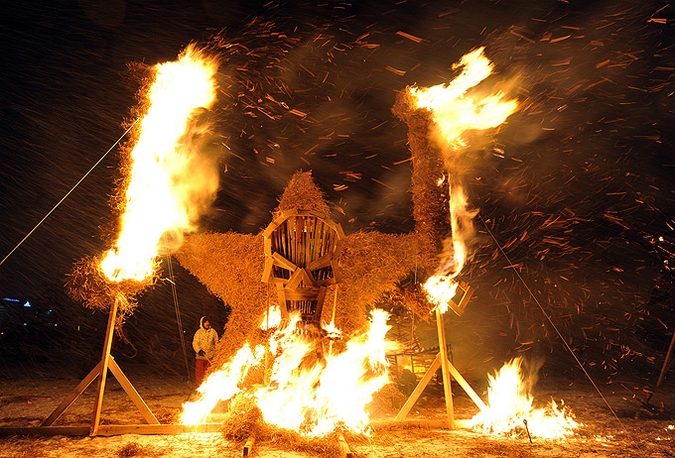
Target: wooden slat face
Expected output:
[301,246]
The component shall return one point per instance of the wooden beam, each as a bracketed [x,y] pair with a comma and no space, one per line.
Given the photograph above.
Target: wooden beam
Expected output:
[379,425]
[111,430]
[447,381]
[72,397]
[467,388]
[132,393]
[248,446]
[105,359]
[419,389]
[281,261]
[345,452]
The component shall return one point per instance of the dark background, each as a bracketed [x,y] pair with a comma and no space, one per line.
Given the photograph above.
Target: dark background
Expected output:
[574,192]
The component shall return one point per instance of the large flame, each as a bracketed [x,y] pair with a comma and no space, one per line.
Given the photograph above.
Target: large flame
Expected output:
[455,110]
[510,409]
[310,395]
[169,180]
[441,287]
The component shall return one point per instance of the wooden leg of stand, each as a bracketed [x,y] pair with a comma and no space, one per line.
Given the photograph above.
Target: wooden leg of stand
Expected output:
[105,360]
[447,389]
[132,393]
[419,389]
[464,384]
[72,397]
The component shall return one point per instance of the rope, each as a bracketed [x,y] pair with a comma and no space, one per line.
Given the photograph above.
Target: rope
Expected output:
[179,320]
[550,321]
[69,192]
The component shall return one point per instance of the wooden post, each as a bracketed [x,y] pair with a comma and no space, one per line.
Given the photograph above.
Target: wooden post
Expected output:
[665,362]
[442,361]
[447,389]
[105,361]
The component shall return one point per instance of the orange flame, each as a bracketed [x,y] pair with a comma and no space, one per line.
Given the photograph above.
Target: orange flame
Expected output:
[441,287]
[510,409]
[454,112]
[169,181]
[313,399]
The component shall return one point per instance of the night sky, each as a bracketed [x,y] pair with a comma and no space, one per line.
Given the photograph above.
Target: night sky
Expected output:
[573,192]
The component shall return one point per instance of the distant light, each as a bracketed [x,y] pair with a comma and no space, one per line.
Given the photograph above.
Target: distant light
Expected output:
[25,324]
[78,327]
[27,305]
[56,324]
[10,299]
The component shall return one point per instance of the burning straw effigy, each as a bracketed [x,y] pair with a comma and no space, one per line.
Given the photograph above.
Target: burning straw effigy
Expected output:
[317,384]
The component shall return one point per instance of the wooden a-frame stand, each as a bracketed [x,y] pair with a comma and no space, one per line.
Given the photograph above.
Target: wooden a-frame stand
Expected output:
[447,368]
[101,371]
[95,428]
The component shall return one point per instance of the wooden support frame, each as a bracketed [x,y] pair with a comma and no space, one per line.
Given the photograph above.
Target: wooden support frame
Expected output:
[95,428]
[111,430]
[448,370]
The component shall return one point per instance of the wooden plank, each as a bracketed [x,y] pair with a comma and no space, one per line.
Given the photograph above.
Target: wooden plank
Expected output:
[114,430]
[431,423]
[45,430]
[345,452]
[447,385]
[248,446]
[105,359]
[323,261]
[132,393]
[299,277]
[419,389]
[459,308]
[467,388]
[72,397]
[283,262]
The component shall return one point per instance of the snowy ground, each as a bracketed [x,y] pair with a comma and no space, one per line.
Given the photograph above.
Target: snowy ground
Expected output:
[637,430]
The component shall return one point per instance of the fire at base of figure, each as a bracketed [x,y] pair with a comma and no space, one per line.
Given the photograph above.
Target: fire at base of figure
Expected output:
[312,399]
[510,411]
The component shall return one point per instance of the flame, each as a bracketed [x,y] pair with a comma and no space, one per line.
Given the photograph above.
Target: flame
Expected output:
[271,319]
[441,287]
[222,384]
[310,395]
[169,181]
[455,111]
[510,409]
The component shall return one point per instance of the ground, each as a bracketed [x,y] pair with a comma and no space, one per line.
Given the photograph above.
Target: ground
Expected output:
[635,429]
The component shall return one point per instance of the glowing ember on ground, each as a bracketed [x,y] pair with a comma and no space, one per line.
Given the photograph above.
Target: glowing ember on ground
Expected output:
[169,182]
[310,394]
[455,110]
[510,409]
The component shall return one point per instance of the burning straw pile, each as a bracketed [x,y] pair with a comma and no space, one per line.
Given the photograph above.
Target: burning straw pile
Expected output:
[89,285]
[167,181]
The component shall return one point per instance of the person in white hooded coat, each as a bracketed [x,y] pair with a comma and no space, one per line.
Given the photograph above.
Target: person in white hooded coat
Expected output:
[204,343]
